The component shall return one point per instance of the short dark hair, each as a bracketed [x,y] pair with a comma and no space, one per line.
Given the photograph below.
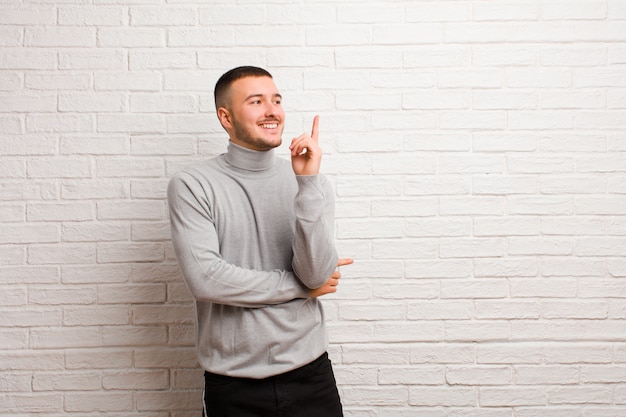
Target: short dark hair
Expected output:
[229,77]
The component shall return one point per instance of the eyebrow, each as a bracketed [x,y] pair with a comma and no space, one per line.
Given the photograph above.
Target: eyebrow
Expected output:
[261,95]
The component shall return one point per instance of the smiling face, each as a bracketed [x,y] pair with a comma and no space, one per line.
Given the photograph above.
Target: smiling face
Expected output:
[253,115]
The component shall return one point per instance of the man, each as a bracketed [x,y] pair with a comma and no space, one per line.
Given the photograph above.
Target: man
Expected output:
[253,235]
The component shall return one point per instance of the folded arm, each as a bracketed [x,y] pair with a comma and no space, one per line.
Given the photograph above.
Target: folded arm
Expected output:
[208,276]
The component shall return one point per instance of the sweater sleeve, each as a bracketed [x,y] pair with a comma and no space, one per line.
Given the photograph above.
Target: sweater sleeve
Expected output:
[315,257]
[207,275]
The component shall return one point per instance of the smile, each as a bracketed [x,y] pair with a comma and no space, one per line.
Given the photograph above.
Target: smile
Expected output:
[269,125]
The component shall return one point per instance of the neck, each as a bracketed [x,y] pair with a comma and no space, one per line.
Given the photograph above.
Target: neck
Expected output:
[248,159]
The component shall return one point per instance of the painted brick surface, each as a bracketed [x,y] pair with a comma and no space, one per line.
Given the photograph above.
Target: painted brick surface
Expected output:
[478,153]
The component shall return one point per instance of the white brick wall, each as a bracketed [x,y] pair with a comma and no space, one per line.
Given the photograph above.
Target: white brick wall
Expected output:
[478,151]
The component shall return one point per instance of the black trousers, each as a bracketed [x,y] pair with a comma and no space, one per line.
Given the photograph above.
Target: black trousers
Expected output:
[309,391]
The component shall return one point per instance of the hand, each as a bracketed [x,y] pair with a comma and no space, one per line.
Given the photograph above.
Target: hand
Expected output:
[331,285]
[306,155]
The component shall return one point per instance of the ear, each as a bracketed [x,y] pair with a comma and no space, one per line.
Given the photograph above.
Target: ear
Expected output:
[224,117]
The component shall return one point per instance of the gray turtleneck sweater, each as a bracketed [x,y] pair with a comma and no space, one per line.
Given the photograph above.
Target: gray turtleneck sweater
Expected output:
[252,239]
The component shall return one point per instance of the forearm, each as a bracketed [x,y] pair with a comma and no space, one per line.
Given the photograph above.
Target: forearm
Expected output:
[315,257]
[210,277]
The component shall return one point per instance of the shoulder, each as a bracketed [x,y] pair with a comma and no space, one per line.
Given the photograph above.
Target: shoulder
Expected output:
[198,175]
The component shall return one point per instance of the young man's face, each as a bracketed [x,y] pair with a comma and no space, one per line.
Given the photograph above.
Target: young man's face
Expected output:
[255,117]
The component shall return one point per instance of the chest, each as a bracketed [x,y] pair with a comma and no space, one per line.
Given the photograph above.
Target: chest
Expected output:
[254,221]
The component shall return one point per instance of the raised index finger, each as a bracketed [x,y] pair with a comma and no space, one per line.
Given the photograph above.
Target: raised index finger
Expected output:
[314,131]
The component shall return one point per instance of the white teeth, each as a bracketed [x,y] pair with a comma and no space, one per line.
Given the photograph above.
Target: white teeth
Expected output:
[270,126]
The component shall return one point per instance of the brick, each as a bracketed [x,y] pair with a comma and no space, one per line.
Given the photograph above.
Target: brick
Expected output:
[13,296]
[542,31]
[412,34]
[354,58]
[98,402]
[580,395]
[519,10]
[338,35]
[560,10]
[442,396]
[59,123]
[163,16]
[599,77]
[71,253]
[434,12]
[507,226]
[473,120]
[12,255]
[30,317]
[483,288]
[502,353]
[125,167]
[82,381]
[573,56]
[88,103]
[62,295]
[187,379]
[59,168]
[92,59]
[396,208]
[98,358]
[136,380]
[365,187]
[52,81]
[73,337]
[163,314]
[437,185]
[11,36]
[487,100]
[369,14]
[91,16]
[10,81]
[131,37]
[13,339]
[435,310]
[28,233]
[131,210]
[13,169]
[28,59]
[152,231]
[207,36]
[133,123]
[14,382]
[36,15]
[171,400]
[253,14]
[432,375]
[128,81]
[134,335]
[478,375]
[499,267]
[152,103]
[149,189]
[179,358]
[494,397]
[90,189]
[32,403]
[524,246]
[462,32]
[571,186]
[472,206]
[60,37]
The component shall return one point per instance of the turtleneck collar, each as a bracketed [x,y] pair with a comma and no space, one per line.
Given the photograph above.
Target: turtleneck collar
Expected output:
[248,159]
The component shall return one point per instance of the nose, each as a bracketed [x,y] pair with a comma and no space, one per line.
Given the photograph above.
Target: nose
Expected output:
[271,109]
